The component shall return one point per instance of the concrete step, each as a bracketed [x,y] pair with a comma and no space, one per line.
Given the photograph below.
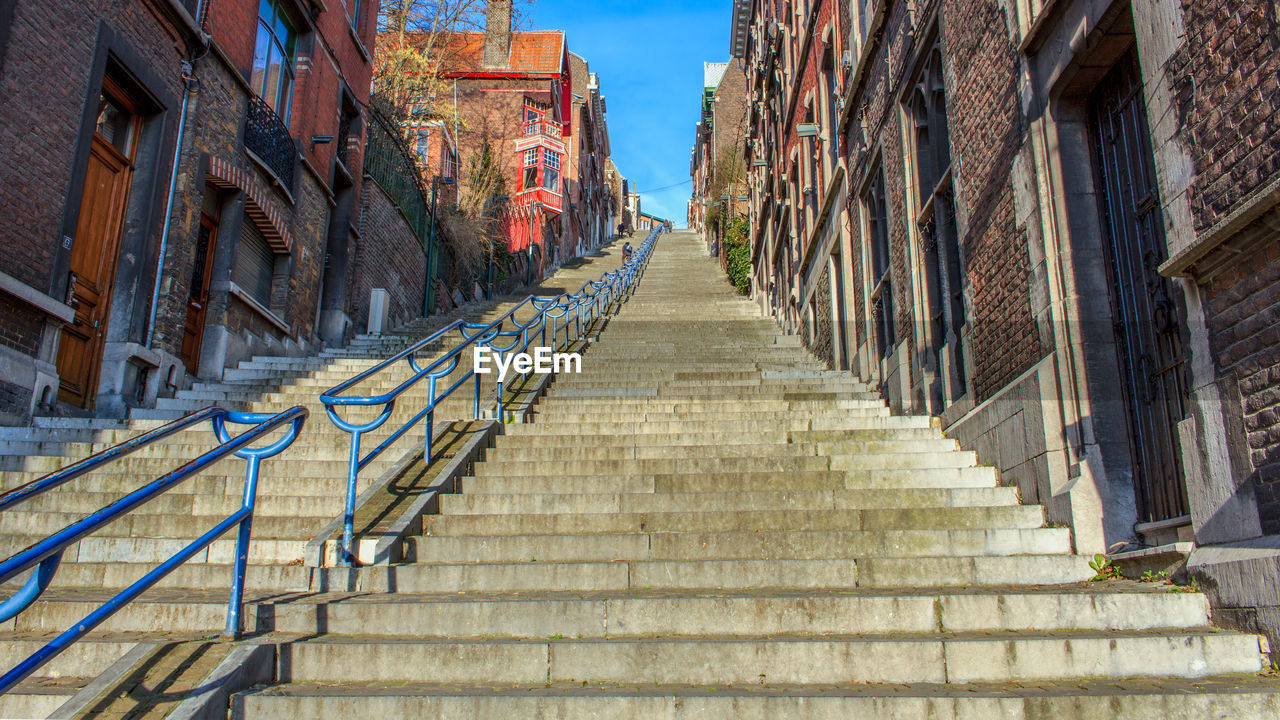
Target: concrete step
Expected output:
[1231,696]
[728,481]
[724,461]
[588,425]
[744,545]
[527,436]
[86,658]
[637,614]
[960,658]
[558,503]
[151,524]
[96,549]
[706,520]
[845,573]
[533,453]
[118,573]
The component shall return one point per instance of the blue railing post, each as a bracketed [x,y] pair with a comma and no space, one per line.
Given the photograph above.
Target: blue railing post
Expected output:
[46,554]
[596,299]
[349,507]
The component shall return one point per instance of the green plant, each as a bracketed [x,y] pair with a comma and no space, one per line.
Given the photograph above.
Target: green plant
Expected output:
[1150,577]
[1190,587]
[1104,568]
[737,245]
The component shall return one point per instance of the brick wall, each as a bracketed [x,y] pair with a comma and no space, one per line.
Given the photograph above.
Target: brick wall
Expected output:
[1228,74]
[986,133]
[22,326]
[1244,308]
[389,256]
[1229,70]
[42,120]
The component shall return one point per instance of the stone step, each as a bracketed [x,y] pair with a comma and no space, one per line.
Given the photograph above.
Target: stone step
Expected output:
[100,549]
[39,697]
[555,503]
[653,613]
[960,658]
[725,461]
[544,424]
[161,459]
[744,545]
[153,524]
[588,451]
[699,520]
[728,481]
[287,485]
[688,418]
[528,436]
[183,501]
[86,658]
[1231,696]
[190,575]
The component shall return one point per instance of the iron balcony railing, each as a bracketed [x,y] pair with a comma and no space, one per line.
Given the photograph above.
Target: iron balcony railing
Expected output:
[267,136]
[388,160]
[594,300]
[46,555]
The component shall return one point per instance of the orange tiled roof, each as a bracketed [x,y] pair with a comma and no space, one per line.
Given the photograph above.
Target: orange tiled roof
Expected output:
[538,52]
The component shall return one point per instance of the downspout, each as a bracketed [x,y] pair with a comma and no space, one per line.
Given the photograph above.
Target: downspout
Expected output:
[188,76]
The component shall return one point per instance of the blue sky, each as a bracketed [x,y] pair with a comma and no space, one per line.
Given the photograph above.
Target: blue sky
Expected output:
[649,58]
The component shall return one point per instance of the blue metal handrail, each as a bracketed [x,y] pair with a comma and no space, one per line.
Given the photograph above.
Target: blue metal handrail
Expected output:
[592,301]
[46,555]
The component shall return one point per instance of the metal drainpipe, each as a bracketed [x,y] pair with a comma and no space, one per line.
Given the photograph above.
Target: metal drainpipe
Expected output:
[189,74]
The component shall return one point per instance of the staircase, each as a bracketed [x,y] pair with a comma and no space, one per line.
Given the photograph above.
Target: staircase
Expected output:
[299,493]
[705,523]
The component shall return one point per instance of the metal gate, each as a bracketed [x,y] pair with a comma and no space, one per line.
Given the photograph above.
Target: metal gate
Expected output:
[1146,316]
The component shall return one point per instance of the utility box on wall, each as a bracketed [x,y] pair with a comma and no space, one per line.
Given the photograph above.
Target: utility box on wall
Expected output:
[379,309]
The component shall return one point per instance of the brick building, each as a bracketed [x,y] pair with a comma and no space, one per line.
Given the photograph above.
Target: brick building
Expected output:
[87,164]
[617,190]
[716,166]
[1053,225]
[586,222]
[199,204]
[514,90]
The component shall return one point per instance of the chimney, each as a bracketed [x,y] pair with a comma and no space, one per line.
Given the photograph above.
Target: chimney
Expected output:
[497,35]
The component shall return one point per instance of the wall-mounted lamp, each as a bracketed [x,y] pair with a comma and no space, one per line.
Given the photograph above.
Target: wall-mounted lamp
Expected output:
[320,140]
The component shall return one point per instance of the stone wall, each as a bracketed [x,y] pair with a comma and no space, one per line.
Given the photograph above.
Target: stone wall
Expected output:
[1244,308]
[389,256]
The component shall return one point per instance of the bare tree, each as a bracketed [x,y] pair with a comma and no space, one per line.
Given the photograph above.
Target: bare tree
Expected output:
[417,40]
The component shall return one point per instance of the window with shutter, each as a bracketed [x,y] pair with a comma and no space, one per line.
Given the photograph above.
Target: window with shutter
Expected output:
[255,263]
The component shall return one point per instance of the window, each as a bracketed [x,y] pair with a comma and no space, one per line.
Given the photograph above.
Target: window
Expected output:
[551,170]
[450,163]
[530,169]
[876,213]
[831,101]
[116,122]
[255,264]
[355,14]
[936,226]
[272,76]
[422,144]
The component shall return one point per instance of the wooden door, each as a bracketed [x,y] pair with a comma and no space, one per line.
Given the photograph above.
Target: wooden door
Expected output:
[1147,318]
[94,251]
[198,296]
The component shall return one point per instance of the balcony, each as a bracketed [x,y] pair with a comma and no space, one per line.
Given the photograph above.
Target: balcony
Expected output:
[267,137]
[541,133]
[543,128]
[550,201]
